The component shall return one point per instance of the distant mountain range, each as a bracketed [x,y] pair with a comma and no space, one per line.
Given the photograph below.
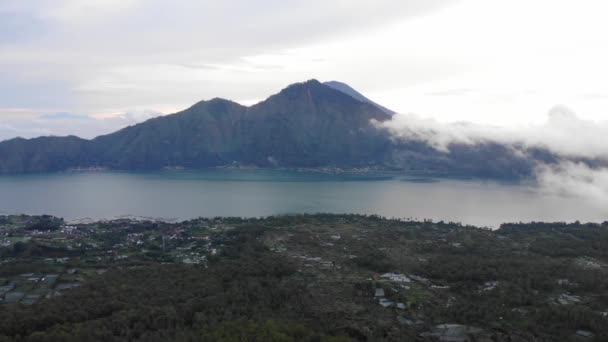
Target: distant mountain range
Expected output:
[306,125]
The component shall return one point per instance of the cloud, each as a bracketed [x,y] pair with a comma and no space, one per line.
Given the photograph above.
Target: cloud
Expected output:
[133,117]
[72,55]
[563,133]
[64,116]
[16,29]
[574,179]
[452,92]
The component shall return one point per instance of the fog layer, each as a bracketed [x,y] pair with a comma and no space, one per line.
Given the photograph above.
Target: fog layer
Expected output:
[581,145]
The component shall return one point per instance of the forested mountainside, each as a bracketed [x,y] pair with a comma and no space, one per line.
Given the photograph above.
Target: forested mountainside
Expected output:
[306,125]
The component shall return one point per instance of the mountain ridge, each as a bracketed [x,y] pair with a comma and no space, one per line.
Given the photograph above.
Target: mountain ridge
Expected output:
[305,125]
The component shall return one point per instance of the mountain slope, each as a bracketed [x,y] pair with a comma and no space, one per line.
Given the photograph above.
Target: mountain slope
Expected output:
[44,154]
[305,125]
[195,137]
[346,89]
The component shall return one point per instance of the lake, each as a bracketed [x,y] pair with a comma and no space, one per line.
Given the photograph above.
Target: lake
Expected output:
[187,194]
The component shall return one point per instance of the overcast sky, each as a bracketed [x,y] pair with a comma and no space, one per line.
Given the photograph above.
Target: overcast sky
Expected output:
[88,67]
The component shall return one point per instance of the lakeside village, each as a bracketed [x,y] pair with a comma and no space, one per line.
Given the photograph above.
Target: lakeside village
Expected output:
[410,275]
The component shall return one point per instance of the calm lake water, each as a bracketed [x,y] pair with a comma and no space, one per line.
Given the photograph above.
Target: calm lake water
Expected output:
[184,195]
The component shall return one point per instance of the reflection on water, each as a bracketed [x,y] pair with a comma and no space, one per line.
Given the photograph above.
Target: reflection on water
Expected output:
[184,195]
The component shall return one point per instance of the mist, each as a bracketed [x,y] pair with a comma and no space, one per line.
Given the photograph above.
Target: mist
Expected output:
[580,144]
[574,179]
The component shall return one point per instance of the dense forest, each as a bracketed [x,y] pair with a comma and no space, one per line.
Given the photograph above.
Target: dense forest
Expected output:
[307,278]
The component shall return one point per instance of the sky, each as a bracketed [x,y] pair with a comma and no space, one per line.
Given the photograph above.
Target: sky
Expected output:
[90,67]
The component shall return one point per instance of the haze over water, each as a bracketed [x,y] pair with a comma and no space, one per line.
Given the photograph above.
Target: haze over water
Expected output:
[186,195]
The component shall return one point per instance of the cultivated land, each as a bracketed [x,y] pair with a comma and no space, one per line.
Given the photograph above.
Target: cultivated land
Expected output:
[301,278]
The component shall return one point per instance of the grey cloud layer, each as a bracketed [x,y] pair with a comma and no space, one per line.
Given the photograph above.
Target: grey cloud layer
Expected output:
[83,53]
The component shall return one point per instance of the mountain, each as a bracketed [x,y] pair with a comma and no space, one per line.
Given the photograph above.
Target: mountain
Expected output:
[42,154]
[306,125]
[346,89]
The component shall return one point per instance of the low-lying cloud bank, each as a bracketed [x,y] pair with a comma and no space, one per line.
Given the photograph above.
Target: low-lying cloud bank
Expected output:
[581,145]
[574,179]
[563,134]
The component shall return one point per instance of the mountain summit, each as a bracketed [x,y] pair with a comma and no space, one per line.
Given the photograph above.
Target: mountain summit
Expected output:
[346,89]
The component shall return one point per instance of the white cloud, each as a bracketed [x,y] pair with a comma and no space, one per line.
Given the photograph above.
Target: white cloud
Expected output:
[79,11]
[563,133]
[575,179]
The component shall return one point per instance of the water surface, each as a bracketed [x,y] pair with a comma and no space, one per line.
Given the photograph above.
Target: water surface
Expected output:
[185,194]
